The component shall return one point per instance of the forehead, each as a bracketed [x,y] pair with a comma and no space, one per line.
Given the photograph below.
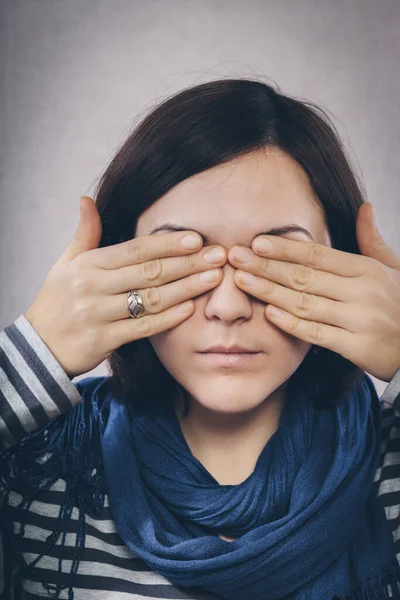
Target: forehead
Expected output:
[230,203]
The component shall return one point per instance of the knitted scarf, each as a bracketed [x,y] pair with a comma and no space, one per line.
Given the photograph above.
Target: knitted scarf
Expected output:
[308,523]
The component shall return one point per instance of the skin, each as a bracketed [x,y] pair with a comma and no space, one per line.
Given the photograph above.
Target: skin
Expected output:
[234,411]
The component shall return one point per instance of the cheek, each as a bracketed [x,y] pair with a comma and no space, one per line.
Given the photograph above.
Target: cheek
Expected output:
[171,346]
[287,343]
[293,352]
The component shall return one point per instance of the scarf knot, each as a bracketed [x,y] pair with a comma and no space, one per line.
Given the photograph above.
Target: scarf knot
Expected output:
[308,522]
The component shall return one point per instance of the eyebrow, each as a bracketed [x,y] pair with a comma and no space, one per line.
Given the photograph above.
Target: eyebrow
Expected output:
[289,228]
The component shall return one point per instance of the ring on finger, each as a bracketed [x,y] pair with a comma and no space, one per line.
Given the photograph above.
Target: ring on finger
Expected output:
[135,305]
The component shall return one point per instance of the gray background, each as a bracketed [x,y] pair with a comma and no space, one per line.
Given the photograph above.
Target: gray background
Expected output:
[75,76]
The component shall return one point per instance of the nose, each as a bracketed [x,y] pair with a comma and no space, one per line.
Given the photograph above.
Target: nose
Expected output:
[226,301]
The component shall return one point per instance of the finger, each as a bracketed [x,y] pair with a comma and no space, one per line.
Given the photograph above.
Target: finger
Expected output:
[333,338]
[315,255]
[128,330]
[308,306]
[159,271]
[300,277]
[158,299]
[88,233]
[142,249]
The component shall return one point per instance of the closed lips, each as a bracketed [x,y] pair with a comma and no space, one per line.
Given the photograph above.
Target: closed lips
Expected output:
[230,350]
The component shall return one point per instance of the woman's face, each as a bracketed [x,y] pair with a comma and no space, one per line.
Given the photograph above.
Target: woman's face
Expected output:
[231,204]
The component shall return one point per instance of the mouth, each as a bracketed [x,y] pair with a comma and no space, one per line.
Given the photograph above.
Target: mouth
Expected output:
[223,352]
[230,359]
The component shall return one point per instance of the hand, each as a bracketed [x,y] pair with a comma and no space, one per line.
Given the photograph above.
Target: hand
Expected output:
[80,310]
[345,302]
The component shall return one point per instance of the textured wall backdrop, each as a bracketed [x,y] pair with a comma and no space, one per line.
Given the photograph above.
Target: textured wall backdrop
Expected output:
[75,74]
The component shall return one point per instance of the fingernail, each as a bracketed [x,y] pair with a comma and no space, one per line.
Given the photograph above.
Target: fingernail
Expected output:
[263,245]
[214,255]
[185,307]
[248,278]
[190,241]
[209,276]
[242,255]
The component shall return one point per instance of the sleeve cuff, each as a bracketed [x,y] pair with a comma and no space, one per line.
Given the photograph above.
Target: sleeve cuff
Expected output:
[391,393]
[34,388]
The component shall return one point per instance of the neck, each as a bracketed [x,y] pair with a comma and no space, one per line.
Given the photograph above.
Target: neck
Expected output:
[228,445]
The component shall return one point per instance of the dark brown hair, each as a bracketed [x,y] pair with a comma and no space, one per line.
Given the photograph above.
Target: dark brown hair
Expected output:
[197,129]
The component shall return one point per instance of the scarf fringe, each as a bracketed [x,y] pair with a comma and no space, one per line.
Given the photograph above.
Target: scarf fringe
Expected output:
[68,447]
[378,587]
[391,583]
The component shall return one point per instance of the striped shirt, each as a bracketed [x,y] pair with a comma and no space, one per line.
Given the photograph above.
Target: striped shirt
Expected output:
[34,389]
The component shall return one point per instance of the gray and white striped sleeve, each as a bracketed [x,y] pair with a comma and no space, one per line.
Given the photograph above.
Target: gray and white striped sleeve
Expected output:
[391,393]
[34,388]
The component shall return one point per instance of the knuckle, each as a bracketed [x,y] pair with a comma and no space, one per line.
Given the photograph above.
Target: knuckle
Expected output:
[165,319]
[83,311]
[171,244]
[190,262]
[305,302]
[191,286]
[152,269]
[152,298]
[316,331]
[316,254]
[264,266]
[136,250]
[268,286]
[301,275]
[80,284]
[143,326]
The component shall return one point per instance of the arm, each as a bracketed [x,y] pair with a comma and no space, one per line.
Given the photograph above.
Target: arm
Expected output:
[33,386]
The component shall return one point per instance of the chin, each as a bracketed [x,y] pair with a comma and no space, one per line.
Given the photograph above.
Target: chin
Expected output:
[221,395]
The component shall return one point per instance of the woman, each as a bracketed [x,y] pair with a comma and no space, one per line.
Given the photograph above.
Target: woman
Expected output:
[230,453]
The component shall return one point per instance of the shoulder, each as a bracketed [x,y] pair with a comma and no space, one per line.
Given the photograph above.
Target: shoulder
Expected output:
[95,391]
[90,387]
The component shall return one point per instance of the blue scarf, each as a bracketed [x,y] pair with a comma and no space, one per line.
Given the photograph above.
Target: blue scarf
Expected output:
[308,522]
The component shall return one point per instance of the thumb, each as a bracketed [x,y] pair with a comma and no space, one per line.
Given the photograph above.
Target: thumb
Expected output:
[370,241]
[88,233]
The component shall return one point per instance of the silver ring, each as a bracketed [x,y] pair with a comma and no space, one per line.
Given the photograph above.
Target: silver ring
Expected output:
[135,305]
